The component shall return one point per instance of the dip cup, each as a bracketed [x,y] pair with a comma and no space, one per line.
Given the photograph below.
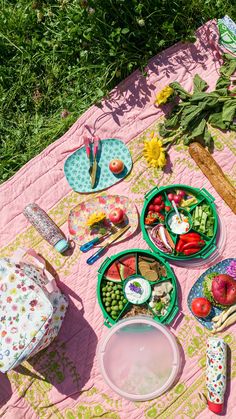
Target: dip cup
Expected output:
[182,211]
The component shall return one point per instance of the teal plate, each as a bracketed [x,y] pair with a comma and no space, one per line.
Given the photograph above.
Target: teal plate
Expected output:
[197,291]
[76,167]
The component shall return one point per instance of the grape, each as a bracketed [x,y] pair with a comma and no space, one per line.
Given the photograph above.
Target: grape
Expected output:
[108,309]
[115,288]
[108,294]
[124,300]
[114,314]
[181,193]
[117,292]
[113,296]
[107,303]
[114,302]
[108,299]
[177,199]
[115,308]
[109,289]
[120,306]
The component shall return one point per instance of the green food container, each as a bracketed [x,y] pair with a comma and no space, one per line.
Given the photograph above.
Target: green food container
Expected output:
[112,283]
[202,197]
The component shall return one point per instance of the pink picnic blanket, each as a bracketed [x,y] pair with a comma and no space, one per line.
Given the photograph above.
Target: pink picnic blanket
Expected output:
[64,380]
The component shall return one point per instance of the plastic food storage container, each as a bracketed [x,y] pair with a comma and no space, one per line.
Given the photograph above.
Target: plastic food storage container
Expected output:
[202,196]
[137,282]
[139,358]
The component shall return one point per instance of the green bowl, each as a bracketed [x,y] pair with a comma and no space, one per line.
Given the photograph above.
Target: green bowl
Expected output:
[170,276]
[202,196]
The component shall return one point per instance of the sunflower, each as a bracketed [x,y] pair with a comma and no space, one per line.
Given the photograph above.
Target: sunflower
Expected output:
[95,218]
[154,152]
[163,96]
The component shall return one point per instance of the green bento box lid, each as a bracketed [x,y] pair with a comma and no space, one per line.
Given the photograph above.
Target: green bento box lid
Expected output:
[119,286]
[202,196]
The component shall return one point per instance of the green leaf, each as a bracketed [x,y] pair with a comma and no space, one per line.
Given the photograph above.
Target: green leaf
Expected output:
[187,117]
[228,68]
[228,57]
[164,132]
[199,130]
[202,97]
[199,85]
[215,119]
[179,90]
[223,82]
[229,110]
[172,122]
[207,137]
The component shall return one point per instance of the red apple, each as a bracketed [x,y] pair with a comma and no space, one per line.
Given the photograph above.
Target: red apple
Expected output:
[224,289]
[116,166]
[201,307]
[116,216]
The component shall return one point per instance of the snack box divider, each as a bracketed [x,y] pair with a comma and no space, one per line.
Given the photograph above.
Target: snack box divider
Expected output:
[172,310]
[211,244]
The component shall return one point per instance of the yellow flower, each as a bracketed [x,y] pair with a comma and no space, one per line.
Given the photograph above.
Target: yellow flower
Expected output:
[164,95]
[154,153]
[95,218]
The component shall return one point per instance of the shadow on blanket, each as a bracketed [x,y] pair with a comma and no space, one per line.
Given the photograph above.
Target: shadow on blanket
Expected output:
[66,363]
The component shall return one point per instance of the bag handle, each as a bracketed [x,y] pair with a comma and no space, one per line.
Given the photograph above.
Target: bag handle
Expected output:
[39,262]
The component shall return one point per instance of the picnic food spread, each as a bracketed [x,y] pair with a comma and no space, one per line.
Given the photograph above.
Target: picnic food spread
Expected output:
[138,292]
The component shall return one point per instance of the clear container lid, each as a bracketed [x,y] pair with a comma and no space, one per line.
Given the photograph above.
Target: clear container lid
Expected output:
[139,358]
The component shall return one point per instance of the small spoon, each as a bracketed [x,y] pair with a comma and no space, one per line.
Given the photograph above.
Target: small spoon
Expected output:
[176,210]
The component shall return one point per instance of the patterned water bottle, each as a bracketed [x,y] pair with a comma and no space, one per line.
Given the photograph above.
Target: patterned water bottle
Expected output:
[46,227]
[216,373]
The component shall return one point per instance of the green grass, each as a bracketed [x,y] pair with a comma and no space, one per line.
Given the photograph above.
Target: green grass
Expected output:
[67,54]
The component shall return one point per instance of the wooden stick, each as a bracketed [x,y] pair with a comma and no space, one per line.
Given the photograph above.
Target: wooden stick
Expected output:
[214,174]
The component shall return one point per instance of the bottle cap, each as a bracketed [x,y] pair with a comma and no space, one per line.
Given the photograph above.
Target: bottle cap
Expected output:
[62,245]
[215,407]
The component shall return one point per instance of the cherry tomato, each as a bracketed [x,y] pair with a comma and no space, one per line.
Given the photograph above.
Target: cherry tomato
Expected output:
[158,200]
[157,208]
[151,207]
[167,208]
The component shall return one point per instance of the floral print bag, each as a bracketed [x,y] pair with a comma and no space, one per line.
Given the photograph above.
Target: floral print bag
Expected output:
[32,309]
